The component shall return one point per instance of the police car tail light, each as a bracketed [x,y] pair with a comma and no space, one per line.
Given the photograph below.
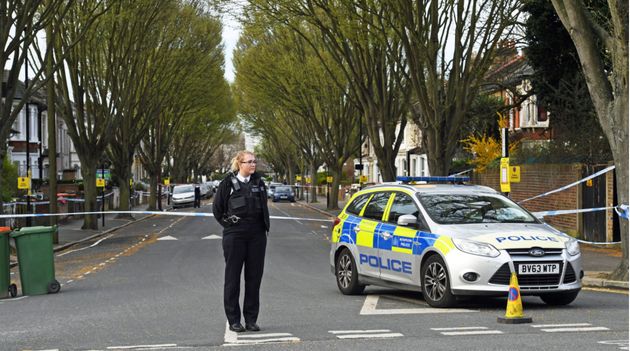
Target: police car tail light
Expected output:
[573,247]
[336,221]
[476,248]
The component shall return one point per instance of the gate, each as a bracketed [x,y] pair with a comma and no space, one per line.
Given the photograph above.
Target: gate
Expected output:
[594,195]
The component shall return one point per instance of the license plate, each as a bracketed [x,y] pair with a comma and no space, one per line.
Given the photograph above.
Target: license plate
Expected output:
[539,268]
[283,197]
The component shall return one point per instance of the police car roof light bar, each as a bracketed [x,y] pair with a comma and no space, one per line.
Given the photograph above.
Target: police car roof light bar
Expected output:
[434,179]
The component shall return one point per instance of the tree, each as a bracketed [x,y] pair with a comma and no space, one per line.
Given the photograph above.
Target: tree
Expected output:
[141,36]
[370,60]
[449,46]
[559,85]
[282,70]
[85,91]
[608,87]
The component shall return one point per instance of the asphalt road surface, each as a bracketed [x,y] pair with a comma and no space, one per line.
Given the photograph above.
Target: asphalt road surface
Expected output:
[158,285]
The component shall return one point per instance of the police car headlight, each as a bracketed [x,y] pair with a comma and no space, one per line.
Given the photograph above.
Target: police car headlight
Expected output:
[476,248]
[573,247]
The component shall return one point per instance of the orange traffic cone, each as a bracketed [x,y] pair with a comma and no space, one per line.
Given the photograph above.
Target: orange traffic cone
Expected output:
[514,310]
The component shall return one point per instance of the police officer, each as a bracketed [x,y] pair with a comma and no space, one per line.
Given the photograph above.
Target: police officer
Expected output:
[240,206]
[197,202]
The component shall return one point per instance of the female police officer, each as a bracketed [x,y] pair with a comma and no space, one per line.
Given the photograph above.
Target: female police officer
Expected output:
[240,206]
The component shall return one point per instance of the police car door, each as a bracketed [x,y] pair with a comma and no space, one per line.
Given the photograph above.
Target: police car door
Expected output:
[372,222]
[359,234]
[398,251]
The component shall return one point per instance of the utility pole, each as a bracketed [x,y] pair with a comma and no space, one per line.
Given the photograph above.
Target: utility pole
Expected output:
[28,142]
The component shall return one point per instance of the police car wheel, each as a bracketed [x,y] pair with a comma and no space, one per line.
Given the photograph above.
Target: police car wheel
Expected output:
[559,299]
[347,275]
[436,286]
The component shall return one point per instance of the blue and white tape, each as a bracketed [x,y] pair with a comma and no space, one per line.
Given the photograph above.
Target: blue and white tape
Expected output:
[622,211]
[159,213]
[608,169]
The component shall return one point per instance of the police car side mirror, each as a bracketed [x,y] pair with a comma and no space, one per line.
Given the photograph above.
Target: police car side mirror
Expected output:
[408,220]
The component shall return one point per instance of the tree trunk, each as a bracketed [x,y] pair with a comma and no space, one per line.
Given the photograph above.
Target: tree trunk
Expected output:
[153,184]
[52,137]
[333,203]
[313,189]
[88,170]
[2,156]
[123,173]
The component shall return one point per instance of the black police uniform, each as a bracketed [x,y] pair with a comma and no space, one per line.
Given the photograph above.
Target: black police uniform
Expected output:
[197,202]
[241,208]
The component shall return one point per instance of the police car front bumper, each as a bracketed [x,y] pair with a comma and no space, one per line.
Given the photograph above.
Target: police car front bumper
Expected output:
[492,275]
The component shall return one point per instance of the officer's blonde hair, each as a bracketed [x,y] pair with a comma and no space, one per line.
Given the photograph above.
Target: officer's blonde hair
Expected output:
[240,157]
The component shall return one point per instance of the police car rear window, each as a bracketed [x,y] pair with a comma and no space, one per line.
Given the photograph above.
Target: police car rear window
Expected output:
[472,208]
[357,204]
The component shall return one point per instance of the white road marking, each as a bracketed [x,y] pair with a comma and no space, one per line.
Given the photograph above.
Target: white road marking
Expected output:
[358,331]
[87,247]
[476,332]
[623,344]
[560,325]
[131,347]
[462,328]
[232,338]
[324,226]
[365,334]
[212,236]
[584,329]
[168,237]
[371,301]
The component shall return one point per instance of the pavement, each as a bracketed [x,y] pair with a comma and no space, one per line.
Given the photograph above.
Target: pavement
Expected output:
[598,261]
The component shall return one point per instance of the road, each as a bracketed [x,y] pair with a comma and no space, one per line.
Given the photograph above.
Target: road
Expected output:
[157,285]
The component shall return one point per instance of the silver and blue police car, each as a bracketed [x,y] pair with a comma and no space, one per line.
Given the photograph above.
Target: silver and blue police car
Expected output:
[448,240]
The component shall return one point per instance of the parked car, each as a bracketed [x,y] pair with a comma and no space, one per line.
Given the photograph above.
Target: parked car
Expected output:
[183,195]
[206,190]
[283,192]
[450,240]
[271,187]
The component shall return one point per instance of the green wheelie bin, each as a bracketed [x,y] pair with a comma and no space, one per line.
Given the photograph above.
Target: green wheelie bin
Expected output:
[6,288]
[35,259]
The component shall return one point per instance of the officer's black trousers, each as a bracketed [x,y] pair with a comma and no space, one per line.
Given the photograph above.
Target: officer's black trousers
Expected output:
[243,248]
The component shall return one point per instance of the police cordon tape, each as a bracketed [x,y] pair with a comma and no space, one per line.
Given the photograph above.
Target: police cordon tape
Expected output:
[608,169]
[159,213]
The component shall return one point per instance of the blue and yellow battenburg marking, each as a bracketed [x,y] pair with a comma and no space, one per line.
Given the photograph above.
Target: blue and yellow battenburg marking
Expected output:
[404,240]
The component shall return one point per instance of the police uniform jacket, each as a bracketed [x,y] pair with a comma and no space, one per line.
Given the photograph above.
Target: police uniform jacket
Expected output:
[221,206]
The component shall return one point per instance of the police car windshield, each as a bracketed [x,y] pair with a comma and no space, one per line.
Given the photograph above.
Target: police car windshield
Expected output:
[183,189]
[473,208]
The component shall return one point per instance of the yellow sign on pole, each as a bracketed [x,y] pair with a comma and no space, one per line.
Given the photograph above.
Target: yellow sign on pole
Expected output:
[308,180]
[363,179]
[100,183]
[131,182]
[167,181]
[329,179]
[24,183]
[298,178]
[515,174]
[505,175]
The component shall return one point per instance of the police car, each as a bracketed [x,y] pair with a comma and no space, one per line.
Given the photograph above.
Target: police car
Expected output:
[450,240]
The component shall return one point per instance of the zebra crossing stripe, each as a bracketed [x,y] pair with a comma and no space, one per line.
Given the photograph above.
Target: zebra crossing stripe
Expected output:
[232,338]
[568,327]
[364,334]
[466,331]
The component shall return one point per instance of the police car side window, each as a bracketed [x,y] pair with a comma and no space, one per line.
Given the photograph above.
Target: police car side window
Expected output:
[403,205]
[357,205]
[376,207]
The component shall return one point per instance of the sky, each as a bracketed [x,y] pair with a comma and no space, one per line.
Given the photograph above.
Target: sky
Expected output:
[231,32]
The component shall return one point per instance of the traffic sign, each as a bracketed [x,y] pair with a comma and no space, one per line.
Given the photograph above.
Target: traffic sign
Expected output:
[329,179]
[504,179]
[100,183]
[363,179]
[515,174]
[167,181]
[24,183]
[298,178]
[308,180]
